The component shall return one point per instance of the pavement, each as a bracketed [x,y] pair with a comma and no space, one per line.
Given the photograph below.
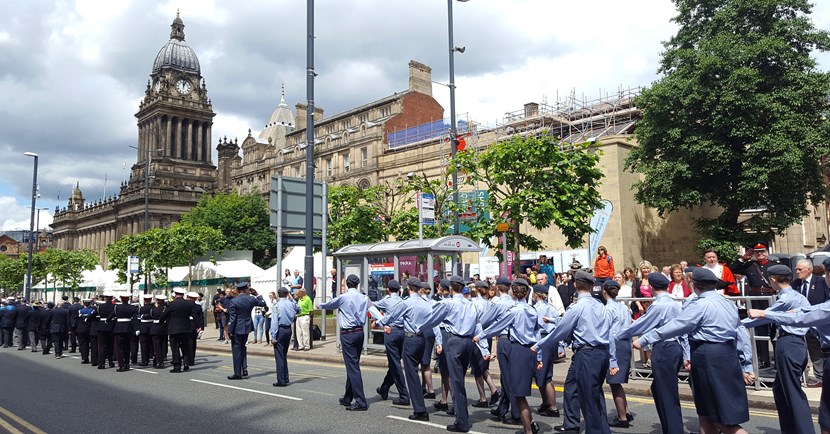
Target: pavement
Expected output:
[327,351]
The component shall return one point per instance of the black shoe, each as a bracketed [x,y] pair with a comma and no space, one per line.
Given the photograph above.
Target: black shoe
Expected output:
[102,367]
[494,398]
[630,417]
[617,423]
[481,404]
[534,428]
[401,402]
[279,385]
[549,412]
[451,412]
[419,416]
[428,395]
[176,371]
[244,372]
[511,421]
[85,362]
[441,406]
[495,412]
[344,403]
[456,428]
[187,368]
[112,365]
[34,351]
[383,395]
[355,407]
[93,364]
[122,370]
[234,377]
[562,428]
[143,364]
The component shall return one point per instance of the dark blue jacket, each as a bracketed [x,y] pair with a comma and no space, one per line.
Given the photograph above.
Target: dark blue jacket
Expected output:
[239,315]
[60,320]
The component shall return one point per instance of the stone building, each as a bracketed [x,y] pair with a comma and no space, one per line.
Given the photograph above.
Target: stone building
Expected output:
[174,140]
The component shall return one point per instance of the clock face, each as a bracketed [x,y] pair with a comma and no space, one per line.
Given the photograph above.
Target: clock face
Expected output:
[183,86]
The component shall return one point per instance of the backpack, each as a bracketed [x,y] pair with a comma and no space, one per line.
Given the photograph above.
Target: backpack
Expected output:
[316,334]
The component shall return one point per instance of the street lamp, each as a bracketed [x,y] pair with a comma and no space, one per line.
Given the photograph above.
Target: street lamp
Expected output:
[28,289]
[453,131]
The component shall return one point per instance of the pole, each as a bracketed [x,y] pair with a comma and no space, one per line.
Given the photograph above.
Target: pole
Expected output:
[308,281]
[504,254]
[28,289]
[324,289]
[453,137]
[420,220]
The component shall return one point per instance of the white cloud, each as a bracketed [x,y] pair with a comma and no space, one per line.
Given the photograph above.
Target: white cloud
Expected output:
[14,216]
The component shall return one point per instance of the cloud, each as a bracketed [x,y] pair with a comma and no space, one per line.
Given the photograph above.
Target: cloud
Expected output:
[14,216]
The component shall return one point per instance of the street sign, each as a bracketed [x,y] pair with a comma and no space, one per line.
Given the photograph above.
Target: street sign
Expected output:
[502,227]
[133,265]
[288,197]
[427,208]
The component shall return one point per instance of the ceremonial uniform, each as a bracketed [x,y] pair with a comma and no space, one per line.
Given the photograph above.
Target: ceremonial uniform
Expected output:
[393,342]
[757,278]
[499,308]
[285,311]
[45,328]
[122,317]
[544,376]
[93,322]
[59,328]
[105,333]
[240,325]
[21,319]
[82,330]
[196,323]
[352,310]
[74,308]
[176,317]
[33,326]
[158,332]
[145,324]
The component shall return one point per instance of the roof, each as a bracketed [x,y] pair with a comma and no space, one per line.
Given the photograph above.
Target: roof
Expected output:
[448,244]
[176,53]
[359,109]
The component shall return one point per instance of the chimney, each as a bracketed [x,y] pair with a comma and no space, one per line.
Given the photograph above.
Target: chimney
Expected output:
[531,109]
[420,78]
[299,119]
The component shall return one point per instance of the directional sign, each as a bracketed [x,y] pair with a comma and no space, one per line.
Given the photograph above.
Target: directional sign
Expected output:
[132,265]
[502,227]
[427,208]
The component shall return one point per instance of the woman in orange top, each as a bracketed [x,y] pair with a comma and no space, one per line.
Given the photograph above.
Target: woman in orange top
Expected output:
[721,271]
[603,266]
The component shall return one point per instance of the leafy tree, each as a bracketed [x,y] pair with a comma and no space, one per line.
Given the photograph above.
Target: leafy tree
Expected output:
[67,266]
[184,242]
[354,216]
[558,188]
[12,274]
[444,205]
[244,220]
[738,119]
[150,246]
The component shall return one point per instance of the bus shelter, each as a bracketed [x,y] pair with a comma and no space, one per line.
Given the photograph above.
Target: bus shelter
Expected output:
[378,263]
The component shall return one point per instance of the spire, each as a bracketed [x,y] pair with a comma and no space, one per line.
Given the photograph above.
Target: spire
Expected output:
[177,28]
[282,96]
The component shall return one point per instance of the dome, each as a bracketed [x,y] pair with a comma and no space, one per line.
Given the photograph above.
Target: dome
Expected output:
[176,53]
[280,123]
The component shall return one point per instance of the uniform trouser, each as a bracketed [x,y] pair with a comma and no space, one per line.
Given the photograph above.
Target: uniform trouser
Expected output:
[281,352]
[144,348]
[46,342]
[591,366]
[165,347]
[193,338]
[158,354]
[73,341]
[21,335]
[303,331]
[180,345]
[814,351]
[794,414]
[459,350]
[824,405]
[33,338]
[93,349]
[83,345]
[666,360]
[507,402]
[351,345]
[133,348]
[123,343]
[239,349]
[57,341]
[570,399]
[105,340]
[7,336]
[413,353]
[394,343]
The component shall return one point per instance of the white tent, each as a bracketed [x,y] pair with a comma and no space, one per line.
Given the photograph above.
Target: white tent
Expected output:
[224,269]
[270,279]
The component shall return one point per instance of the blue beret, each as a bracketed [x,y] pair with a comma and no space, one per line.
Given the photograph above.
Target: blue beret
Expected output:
[352,281]
[414,282]
[613,284]
[703,275]
[444,283]
[503,281]
[582,276]
[658,281]
[393,285]
[780,270]
[520,281]
[540,289]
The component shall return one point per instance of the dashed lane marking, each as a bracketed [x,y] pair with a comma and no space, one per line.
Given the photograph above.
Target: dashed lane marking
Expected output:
[146,371]
[21,422]
[293,398]
[9,427]
[443,427]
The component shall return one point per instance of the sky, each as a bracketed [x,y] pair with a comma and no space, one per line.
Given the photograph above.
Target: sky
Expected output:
[72,73]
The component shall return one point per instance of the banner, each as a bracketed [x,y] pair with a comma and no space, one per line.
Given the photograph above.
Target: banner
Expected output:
[599,221]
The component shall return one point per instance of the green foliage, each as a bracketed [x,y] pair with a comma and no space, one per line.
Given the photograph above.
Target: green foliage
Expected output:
[150,246]
[67,266]
[738,119]
[444,205]
[244,221]
[536,180]
[354,216]
[12,274]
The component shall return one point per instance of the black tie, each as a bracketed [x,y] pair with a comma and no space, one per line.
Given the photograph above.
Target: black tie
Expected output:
[804,288]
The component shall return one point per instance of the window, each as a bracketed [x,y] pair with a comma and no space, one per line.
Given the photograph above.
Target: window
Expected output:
[329,129]
[346,163]
[328,166]
[364,118]
[347,124]
[364,156]
[385,111]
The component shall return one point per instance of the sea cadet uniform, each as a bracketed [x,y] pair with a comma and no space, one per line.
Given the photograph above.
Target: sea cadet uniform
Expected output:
[122,317]
[105,332]
[158,331]
[145,323]
[176,317]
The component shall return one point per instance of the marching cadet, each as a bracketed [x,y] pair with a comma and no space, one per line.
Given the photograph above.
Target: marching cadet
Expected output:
[145,323]
[177,319]
[352,310]
[589,326]
[548,317]
[286,311]
[620,351]
[59,328]
[105,331]
[158,331]
[393,343]
[197,319]
[480,365]
[711,323]
[442,294]
[425,291]
[122,317]
[794,414]
[667,356]
[83,328]
[500,306]
[522,322]
[411,314]
[460,320]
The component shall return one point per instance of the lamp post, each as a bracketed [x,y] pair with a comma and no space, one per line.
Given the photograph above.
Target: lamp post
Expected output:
[147,160]
[456,264]
[28,289]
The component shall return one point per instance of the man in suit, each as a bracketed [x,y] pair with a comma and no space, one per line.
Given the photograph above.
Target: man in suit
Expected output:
[176,317]
[73,324]
[816,290]
[240,325]
[21,320]
[59,328]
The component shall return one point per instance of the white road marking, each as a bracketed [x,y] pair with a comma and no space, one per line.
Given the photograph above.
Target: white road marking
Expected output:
[146,371]
[443,427]
[293,398]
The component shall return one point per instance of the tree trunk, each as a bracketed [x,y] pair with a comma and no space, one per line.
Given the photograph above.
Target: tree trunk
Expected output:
[516,243]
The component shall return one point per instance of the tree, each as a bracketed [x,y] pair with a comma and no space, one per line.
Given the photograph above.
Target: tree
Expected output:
[354,216]
[244,221]
[538,180]
[444,206]
[738,119]
[185,242]
[67,266]
[12,274]
[150,246]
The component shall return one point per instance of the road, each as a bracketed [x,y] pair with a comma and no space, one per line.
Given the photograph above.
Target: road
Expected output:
[41,394]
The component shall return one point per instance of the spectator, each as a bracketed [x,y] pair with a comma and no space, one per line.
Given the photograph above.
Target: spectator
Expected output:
[304,320]
[625,288]
[545,267]
[603,266]
[217,312]
[259,323]
[287,280]
[667,272]
[333,277]
[721,271]
[531,275]
[677,283]
[628,276]
[296,282]
[566,290]
[641,289]
[272,302]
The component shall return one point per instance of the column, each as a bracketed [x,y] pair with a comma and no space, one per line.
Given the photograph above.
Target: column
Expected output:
[168,151]
[208,143]
[178,141]
[199,142]
[189,149]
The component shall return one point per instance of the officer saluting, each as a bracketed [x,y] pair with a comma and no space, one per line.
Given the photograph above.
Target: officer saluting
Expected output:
[754,266]
[711,321]
[588,324]
[352,310]
[240,325]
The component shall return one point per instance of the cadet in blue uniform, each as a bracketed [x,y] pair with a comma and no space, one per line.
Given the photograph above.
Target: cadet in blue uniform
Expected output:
[122,317]
[620,351]
[425,290]
[285,312]
[240,325]
[443,293]
[83,328]
[500,307]
[480,365]
[711,323]
[393,342]
[794,414]
[523,327]
[411,314]
[459,318]
[589,326]
[352,310]
[547,317]
[667,355]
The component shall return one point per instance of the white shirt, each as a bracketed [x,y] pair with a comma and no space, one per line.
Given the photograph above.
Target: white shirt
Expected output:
[555,301]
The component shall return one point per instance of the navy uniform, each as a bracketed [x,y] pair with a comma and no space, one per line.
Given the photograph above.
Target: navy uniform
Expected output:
[480,365]
[794,414]
[6,323]
[122,317]
[429,338]
[393,342]
[73,324]
[711,323]
[667,356]
[105,332]
[58,328]
[589,326]
[547,317]
[352,307]
[196,320]
[145,323]
[82,329]
[45,325]
[411,314]
[240,325]
[285,311]
[92,319]
[440,333]
[176,317]
[33,327]
[158,331]
[499,308]
[21,317]
[460,320]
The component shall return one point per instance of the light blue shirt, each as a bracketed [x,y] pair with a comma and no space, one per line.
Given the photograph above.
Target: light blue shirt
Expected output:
[543,309]
[457,314]
[352,308]
[788,299]
[661,312]
[482,305]
[816,316]
[498,308]
[620,317]
[285,310]
[744,349]
[410,313]
[586,320]
[521,323]
[708,318]
[388,304]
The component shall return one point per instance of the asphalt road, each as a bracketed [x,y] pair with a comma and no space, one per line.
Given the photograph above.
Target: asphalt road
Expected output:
[42,394]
